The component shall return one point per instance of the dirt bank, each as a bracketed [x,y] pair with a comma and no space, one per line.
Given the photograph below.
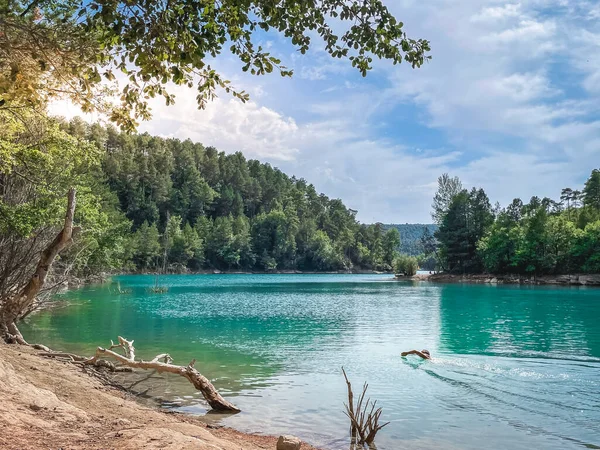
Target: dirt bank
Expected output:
[559,280]
[45,404]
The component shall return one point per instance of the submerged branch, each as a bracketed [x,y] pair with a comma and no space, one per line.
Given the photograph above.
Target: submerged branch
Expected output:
[364,422]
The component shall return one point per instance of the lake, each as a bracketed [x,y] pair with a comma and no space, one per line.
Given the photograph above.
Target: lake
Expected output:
[513,367]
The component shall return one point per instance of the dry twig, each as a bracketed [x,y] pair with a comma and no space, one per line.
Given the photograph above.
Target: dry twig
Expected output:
[364,421]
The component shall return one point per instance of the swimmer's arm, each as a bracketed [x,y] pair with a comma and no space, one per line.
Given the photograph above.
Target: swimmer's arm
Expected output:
[415,352]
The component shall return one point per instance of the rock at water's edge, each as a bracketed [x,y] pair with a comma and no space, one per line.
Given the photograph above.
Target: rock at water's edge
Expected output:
[288,443]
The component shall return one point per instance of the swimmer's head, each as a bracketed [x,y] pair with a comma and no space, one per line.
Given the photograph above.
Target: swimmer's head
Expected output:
[425,352]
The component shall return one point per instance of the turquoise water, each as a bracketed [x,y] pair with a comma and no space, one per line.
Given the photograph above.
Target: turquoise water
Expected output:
[514,367]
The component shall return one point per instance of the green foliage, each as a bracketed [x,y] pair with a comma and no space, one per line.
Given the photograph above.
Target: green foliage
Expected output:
[427,262]
[415,238]
[406,265]
[391,242]
[146,247]
[498,248]
[77,47]
[448,188]
[40,162]
[321,252]
[537,238]
[104,243]
[586,215]
[468,218]
[273,234]
[591,191]
[221,211]
[586,249]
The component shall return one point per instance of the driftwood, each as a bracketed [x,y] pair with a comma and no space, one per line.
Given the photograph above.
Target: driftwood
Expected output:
[160,363]
[163,363]
[364,421]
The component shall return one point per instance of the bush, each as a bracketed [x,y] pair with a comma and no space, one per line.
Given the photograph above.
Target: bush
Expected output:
[406,265]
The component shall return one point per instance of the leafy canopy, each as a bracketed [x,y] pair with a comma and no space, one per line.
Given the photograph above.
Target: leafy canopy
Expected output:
[76,48]
[448,188]
[538,238]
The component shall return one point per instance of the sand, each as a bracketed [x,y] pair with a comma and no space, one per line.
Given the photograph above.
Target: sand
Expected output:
[48,404]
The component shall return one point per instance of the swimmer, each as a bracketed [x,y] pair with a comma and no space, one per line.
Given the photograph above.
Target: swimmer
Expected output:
[423,353]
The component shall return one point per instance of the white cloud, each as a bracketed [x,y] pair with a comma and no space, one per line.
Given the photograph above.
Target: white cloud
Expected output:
[467,86]
[524,31]
[494,13]
[520,87]
[322,68]
[226,124]
[509,175]
[587,60]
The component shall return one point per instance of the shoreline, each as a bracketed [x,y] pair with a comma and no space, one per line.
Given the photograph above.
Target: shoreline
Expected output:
[592,280]
[73,282]
[53,404]
[263,272]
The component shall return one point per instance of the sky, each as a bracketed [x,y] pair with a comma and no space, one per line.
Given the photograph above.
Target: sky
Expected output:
[509,102]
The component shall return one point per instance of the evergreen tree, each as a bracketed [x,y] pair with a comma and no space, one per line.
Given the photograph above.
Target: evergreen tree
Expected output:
[448,188]
[391,243]
[428,242]
[467,220]
[586,249]
[147,246]
[242,243]
[591,190]
[221,252]
[193,247]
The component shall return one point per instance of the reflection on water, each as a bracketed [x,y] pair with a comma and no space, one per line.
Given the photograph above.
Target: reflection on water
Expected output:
[512,367]
[520,321]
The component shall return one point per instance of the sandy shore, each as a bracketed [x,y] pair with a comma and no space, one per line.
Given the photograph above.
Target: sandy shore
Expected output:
[54,405]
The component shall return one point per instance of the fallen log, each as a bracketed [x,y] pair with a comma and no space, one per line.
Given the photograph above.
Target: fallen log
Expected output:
[163,363]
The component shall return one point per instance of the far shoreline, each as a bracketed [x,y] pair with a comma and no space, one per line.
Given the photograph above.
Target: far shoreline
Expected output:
[592,280]
[76,282]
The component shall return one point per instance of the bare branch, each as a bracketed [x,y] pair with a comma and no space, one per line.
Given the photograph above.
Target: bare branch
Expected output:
[364,422]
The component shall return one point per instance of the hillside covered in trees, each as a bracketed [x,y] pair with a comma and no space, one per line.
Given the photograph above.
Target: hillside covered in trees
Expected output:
[411,236]
[538,237]
[184,206]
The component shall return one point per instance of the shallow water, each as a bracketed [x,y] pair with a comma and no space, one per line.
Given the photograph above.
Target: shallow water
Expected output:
[513,367]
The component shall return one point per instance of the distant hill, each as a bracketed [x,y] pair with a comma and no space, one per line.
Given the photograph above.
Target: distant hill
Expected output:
[410,235]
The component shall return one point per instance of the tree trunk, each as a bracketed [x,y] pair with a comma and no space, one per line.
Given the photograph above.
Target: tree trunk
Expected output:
[12,308]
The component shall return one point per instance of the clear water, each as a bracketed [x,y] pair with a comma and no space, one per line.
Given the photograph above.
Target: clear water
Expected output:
[513,367]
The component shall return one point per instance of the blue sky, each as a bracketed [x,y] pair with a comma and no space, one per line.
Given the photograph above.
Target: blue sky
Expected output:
[509,102]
